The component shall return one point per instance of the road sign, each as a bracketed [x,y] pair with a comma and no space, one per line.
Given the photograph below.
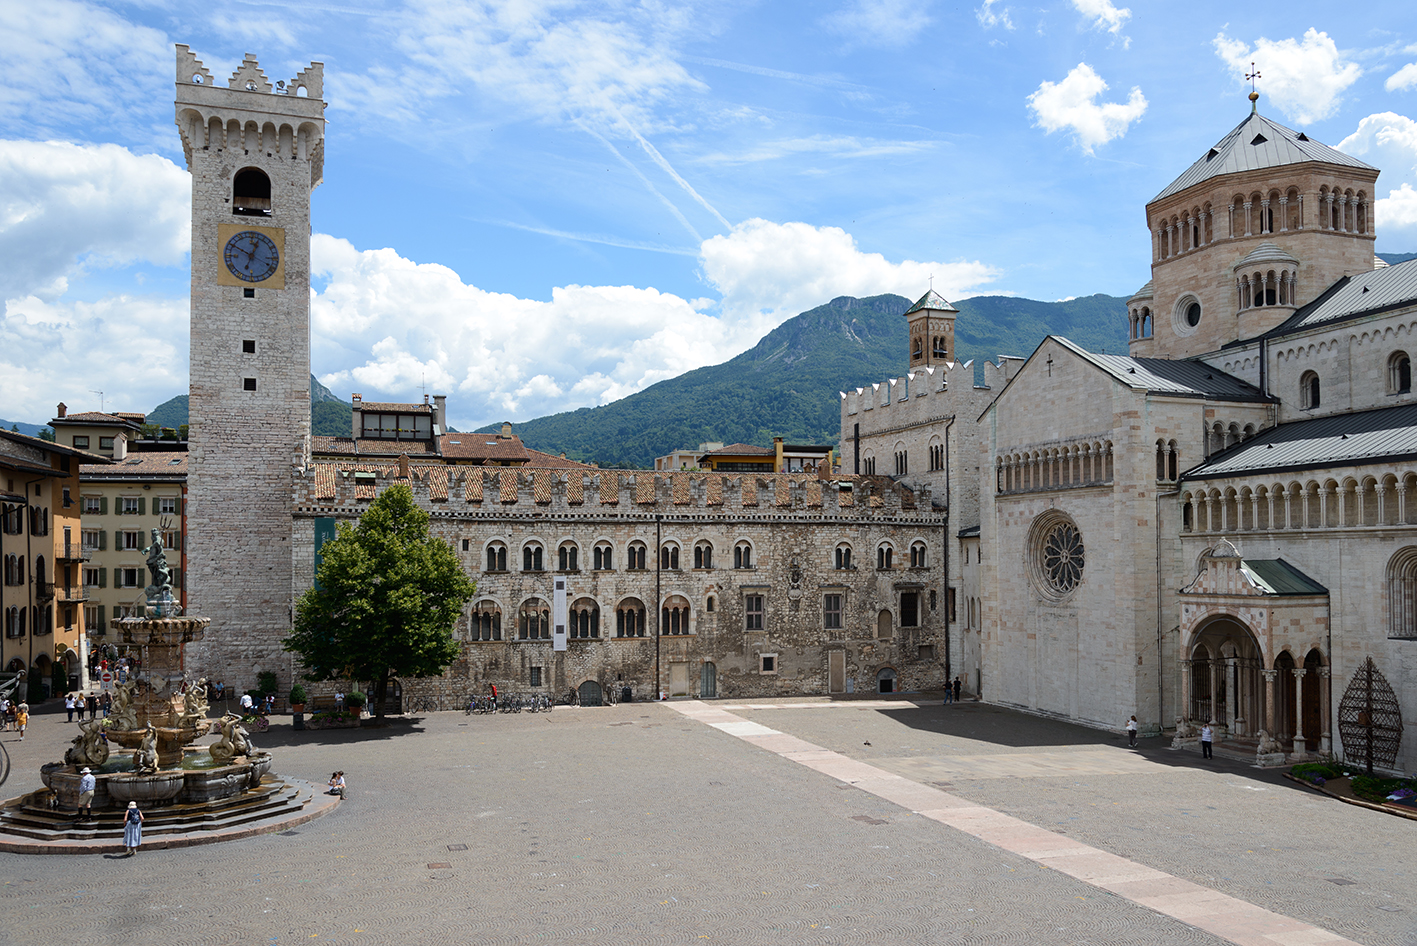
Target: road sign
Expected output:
[106,676]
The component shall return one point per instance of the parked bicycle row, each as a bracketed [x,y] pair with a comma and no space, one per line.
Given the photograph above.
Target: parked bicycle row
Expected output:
[536,703]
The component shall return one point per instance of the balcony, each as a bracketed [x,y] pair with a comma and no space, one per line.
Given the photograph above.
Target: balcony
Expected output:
[43,590]
[72,552]
[72,594]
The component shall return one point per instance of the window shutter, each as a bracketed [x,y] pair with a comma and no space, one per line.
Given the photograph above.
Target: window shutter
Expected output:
[117,539]
[180,504]
[102,583]
[102,539]
[100,616]
[177,578]
[142,505]
[103,506]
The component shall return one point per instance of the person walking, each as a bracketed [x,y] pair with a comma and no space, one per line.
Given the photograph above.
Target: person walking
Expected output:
[106,703]
[91,702]
[69,705]
[949,692]
[132,829]
[87,784]
[959,684]
[1132,732]
[22,719]
[1207,737]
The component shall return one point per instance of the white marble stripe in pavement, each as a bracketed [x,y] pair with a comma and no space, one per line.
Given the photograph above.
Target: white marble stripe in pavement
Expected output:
[1230,918]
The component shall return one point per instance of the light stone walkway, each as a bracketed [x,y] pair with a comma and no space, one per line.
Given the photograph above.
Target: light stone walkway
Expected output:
[1227,917]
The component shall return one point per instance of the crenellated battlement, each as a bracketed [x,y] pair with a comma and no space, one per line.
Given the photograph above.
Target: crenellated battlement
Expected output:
[612,492]
[930,382]
[286,122]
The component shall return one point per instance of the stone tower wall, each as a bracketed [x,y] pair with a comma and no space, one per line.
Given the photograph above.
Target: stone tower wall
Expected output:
[243,442]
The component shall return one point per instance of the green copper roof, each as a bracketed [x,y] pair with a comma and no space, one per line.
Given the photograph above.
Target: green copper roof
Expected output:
[931,300]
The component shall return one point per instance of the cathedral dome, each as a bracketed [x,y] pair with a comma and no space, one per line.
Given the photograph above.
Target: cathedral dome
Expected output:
[1255,144]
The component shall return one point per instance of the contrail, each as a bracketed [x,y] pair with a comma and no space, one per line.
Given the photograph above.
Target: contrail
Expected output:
[659,159]
[647,182]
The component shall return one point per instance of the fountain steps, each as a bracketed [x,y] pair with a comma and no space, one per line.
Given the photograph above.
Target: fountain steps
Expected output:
[275,805]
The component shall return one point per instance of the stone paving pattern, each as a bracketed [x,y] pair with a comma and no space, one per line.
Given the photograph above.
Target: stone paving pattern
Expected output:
[634,824]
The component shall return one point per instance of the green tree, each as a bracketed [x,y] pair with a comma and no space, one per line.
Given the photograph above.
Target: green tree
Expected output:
[385,600]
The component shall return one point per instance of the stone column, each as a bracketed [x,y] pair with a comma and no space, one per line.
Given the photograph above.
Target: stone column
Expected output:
[1266,225]
[1203,218]
[1401,503]
[1301,212]
[1326,737]
[1247,218]
[1185,690]
[1269,520]
[1382,504]
[1230,217]
[1300,748]
[1323,492]
[1284,215]
[1269,721]
[1328,212]
[1214,666]
[1232,694]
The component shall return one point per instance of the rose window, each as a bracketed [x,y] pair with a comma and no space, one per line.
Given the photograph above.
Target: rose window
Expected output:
[1062,557]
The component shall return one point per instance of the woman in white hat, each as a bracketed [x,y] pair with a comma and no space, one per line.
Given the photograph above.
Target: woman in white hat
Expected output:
[132,828]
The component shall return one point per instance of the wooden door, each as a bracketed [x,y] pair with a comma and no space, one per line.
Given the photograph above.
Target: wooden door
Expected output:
[836,671]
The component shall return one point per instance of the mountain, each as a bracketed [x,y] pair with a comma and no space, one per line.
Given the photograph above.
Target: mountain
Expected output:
[787,384]
[31,429]
[1392,259]
[329,416]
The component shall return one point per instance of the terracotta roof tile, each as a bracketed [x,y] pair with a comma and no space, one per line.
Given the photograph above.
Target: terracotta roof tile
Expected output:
[165,463]
[748,490]
[714,492]
[508,480]
[782,494]
[324,475]
[548,461]
[472,487]
[575,489]
[679,486]
[484,447]
[437,479]
[98,417]
[541,486]
[609,489]
[644,489]
[742,449]
[814,493]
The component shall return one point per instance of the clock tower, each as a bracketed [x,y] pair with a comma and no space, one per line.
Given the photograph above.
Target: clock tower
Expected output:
[255,151]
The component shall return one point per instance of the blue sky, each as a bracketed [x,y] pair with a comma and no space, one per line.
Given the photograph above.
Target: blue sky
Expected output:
[540,205]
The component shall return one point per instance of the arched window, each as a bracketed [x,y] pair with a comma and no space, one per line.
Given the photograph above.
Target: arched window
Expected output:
[603,557]
[743,555]
[485,622]
[669,556]
[637,556]
[674,617]
[917,348]
[251,193]
[883,556]
[532,558]
[534,621]
[1399,373]
[843,557]
[584,616]
[941,351]
[1309,391]
[703,555]
[1402,594]
[917,555]
[630,618]
[568,557]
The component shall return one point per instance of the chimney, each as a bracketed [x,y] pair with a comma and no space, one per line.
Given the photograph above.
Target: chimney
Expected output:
[63,409]
[120,447]
[506,428]
[440,412]
[354,421]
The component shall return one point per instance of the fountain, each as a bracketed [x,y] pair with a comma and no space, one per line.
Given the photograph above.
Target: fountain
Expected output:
[157,714]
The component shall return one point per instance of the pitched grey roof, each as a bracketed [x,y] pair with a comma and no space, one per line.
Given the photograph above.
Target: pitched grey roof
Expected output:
[1391,287]
[1275,576]
[931,300]
[1389,433]
[1243,150]
[1167,376]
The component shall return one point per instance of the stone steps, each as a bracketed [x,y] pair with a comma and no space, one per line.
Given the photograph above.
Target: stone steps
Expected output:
[273,800]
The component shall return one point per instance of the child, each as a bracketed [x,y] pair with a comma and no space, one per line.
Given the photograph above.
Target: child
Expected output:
[22,718]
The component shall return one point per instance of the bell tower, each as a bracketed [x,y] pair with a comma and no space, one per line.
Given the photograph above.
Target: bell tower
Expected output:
[255,152]
[931,323]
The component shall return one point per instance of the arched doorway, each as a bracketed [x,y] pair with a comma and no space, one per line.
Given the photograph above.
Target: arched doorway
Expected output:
[885,680]
[1223,679]
[589,694]
[1312,701]
[708,681]
[1284,686]
[883,625]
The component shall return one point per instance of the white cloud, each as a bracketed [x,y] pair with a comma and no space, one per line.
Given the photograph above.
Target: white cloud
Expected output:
[1072,103]
[133,348]
[1103,14]
[391,323]
[879,22]
[989,17]
[1404,78]
[1305,79]
[72,65]
[67,207]
[833,146]
[1388,141]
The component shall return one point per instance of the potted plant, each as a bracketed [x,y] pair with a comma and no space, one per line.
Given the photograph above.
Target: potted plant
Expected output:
[297,698]
[354,701]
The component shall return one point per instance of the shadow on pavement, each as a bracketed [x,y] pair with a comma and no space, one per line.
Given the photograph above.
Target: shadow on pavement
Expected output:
[281,735]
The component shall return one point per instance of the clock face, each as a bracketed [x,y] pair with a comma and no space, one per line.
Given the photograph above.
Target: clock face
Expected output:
[251,256]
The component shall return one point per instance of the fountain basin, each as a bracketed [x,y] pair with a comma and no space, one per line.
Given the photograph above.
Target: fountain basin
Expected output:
[160,787]
[206,785]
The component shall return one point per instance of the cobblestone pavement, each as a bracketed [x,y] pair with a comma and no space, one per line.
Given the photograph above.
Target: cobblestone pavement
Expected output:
[634,824]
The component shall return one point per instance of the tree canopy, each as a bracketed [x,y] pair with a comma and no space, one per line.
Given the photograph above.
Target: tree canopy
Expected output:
[386,597]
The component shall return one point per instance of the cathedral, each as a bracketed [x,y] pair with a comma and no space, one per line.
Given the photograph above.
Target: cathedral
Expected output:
[1215,527]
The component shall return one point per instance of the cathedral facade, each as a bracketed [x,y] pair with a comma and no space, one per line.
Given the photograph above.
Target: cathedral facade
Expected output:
[1218,526]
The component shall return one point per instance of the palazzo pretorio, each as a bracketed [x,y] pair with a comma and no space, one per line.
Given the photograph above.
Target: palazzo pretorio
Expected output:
[1219,526]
